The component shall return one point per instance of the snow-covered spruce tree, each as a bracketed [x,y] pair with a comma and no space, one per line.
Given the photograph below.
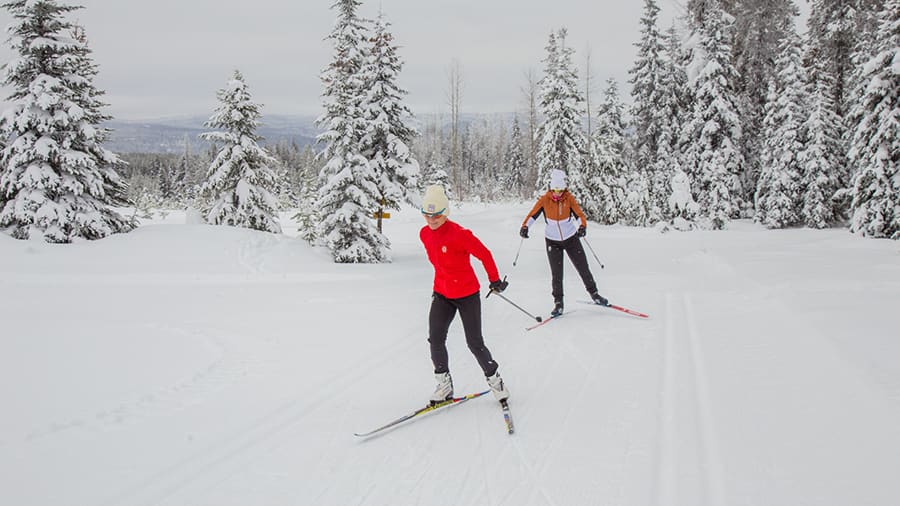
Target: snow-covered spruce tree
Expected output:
[636,207]
[778,190]
[307,216]
[673,103]
[305,182]
[821,157]
[561,141]
[606,181]
[682,207]
[834,28]
[760,26]
[647,87]
[711,136]
[838,32]
[515,164]
[57,182]
[875,147]
[387,137]
[240,181]
[348,192]
[436,175]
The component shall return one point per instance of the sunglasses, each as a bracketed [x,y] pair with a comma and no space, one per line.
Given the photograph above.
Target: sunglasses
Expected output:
[557,190]
[434,214]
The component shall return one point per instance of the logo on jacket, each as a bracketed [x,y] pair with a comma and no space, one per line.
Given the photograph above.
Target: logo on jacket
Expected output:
[443,249]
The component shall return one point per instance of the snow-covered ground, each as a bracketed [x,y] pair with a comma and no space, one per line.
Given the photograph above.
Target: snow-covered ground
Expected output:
[197,365]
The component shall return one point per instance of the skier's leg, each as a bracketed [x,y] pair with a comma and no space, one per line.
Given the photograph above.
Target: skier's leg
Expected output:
[439,318]
[555,256]
[470,314]
[576,253]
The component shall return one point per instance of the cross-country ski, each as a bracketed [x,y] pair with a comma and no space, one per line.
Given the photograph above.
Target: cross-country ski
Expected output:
[617,308]
[430,408]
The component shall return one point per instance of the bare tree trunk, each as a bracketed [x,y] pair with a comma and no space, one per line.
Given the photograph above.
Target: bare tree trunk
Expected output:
[454,97]
[588,79]
[530,94]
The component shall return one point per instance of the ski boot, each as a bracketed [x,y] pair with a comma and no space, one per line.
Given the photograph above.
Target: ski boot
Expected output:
[498,386]
[444,389]
[599,299]
[557,309]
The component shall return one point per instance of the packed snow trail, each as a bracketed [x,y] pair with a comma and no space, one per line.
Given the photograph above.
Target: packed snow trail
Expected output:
[236,371]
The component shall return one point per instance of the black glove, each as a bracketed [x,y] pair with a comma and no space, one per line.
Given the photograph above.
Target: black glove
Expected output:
[524,232]
[582,231]
[498,286]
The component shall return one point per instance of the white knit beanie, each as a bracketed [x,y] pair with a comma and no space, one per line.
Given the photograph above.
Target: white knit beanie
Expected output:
[557,179]
[435,201]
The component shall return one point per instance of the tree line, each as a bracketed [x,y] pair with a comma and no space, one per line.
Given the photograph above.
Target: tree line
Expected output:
[733,114]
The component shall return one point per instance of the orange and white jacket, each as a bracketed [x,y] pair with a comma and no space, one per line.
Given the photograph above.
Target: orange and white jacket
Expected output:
[563,218]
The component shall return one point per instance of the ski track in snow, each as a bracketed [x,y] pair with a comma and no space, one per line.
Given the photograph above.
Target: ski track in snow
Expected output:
[609,409]
[203,470]
[226,369]
[712,467]
[688,464]
[666,480]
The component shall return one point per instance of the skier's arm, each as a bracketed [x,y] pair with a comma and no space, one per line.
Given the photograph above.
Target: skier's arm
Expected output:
[577,210]
[534,213]
[478,250]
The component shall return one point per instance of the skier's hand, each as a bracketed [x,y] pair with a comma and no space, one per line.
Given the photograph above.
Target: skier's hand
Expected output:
[582,231]
[524,232]
[498,286]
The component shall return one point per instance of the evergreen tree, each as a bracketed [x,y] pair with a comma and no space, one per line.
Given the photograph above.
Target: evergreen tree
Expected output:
[648,88]
[240,178]
[349,194]
[875,147]
[436,175]
[681,203]
[636,206]
[515,163]
[712,134]
[837,36]
[834,28]
[305,182]
[387,138]
[760,26]
[778,198]
[673,105]
[307,216]
[821,157]
[561,142]
[57,182]
[606,182]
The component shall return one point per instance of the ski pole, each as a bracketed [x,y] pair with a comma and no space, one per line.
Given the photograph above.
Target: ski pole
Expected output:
[536,318]
[521,241]
[592,252]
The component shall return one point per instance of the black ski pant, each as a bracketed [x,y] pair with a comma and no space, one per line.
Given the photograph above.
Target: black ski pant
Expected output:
[439,317]
[572,246]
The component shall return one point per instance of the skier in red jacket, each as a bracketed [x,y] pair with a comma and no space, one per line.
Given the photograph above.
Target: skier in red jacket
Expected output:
[449,247]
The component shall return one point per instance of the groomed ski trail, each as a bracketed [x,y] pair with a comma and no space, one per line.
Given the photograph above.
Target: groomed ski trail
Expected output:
[182,480]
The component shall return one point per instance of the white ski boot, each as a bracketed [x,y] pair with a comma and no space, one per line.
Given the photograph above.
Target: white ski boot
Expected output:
[498,387]
[444,389]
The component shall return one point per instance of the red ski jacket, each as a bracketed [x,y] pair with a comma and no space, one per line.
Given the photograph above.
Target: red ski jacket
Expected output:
[449,248]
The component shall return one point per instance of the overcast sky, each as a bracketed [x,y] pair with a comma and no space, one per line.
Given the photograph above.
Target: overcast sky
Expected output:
[168,57]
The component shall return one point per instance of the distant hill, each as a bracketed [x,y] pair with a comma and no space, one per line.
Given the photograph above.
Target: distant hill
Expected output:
[168,135]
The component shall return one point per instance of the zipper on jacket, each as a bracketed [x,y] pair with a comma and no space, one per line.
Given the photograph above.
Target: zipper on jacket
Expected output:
[559,221]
